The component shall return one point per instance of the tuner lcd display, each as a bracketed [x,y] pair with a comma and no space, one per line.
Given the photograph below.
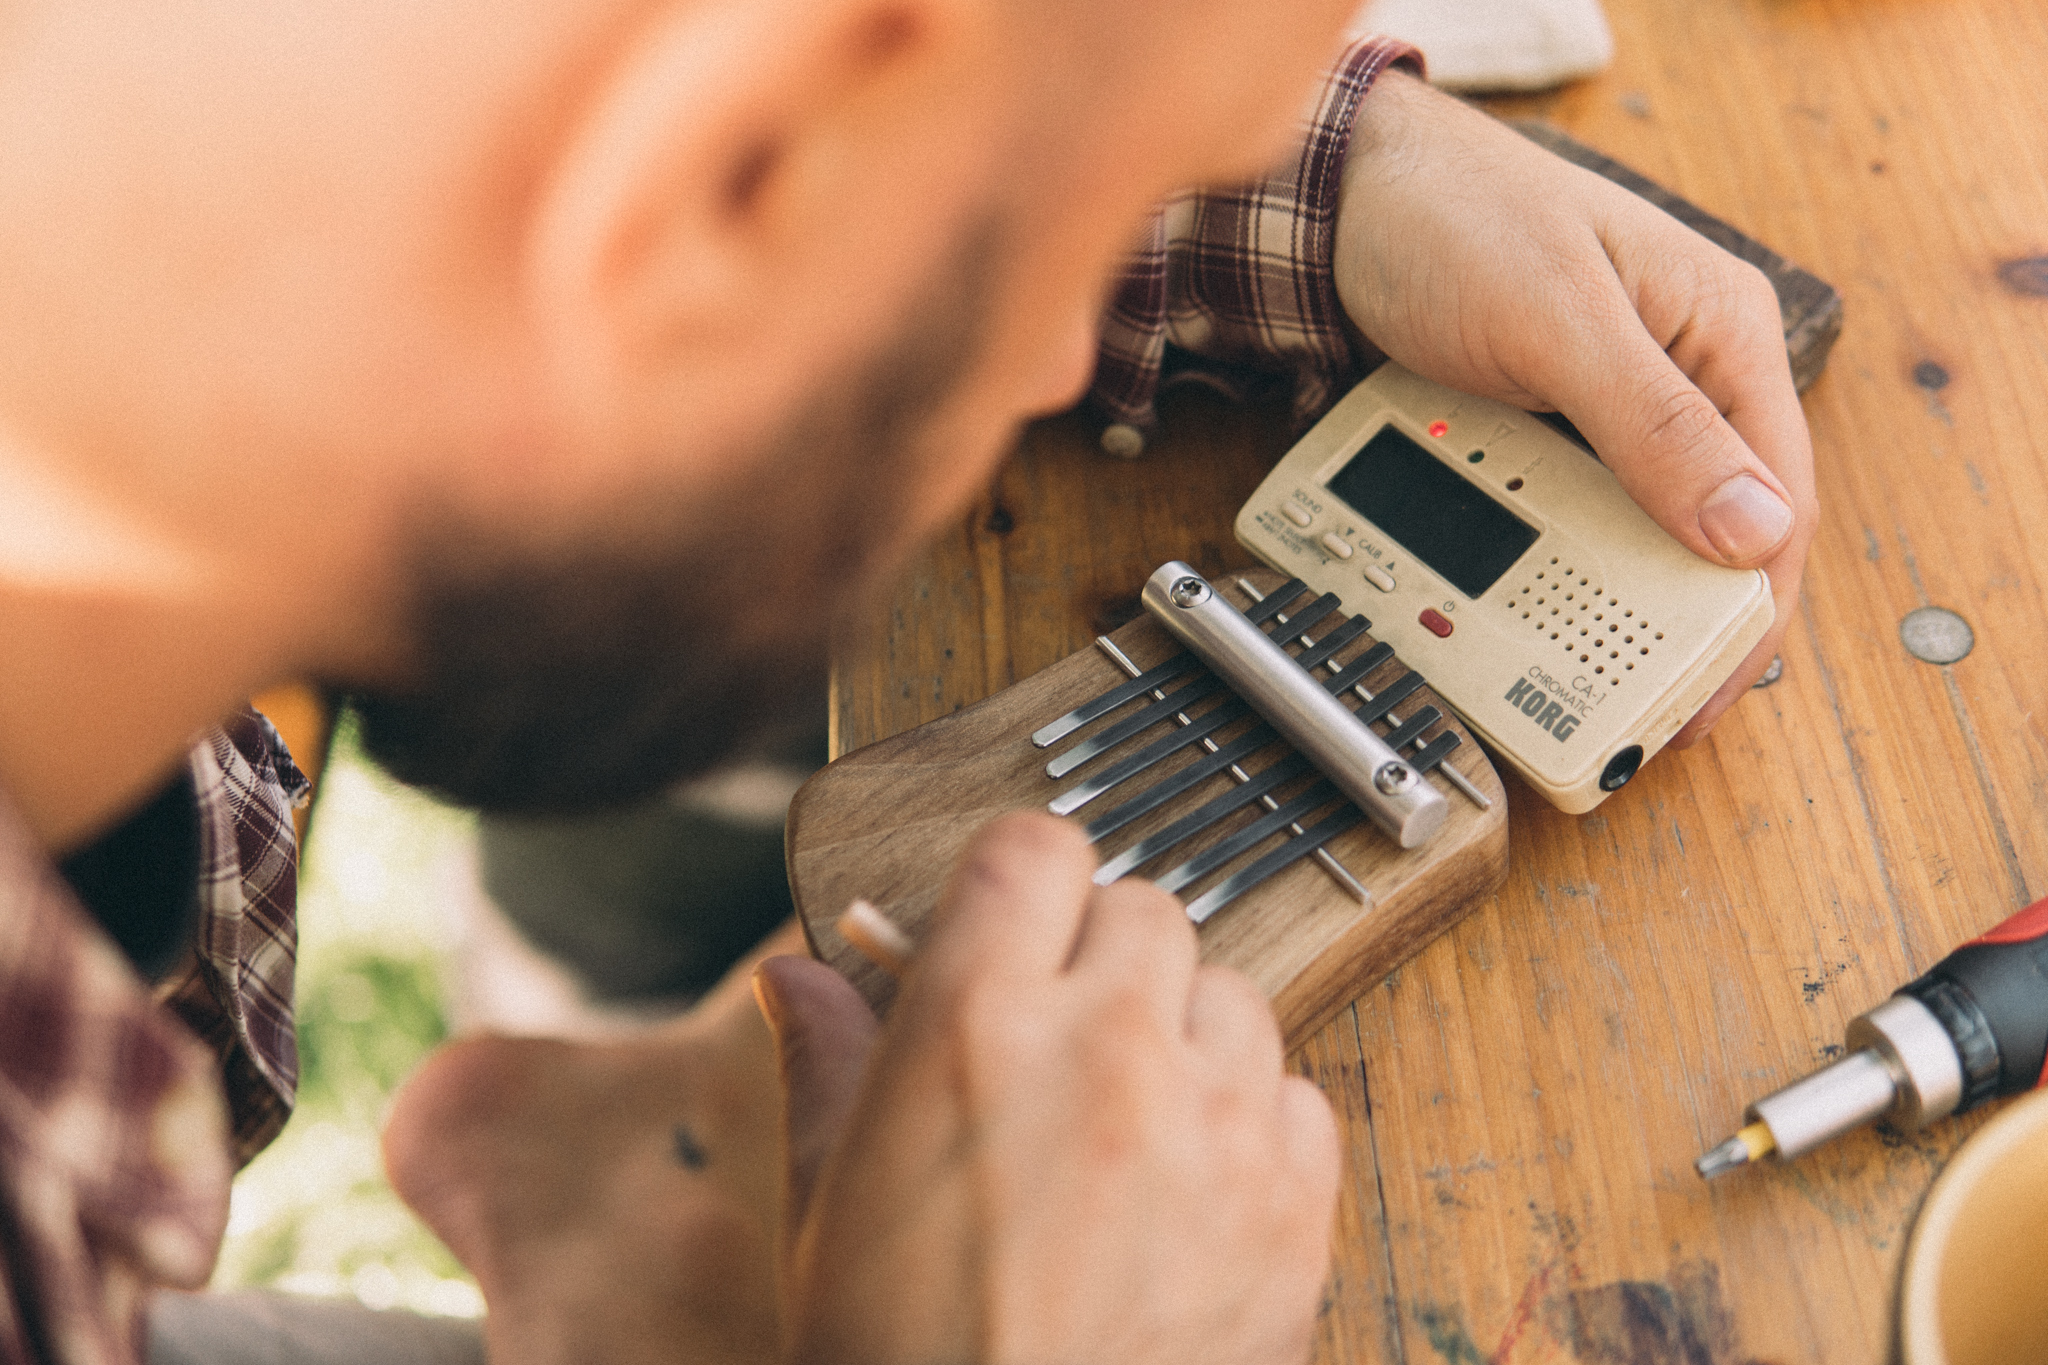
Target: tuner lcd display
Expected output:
[1441,519]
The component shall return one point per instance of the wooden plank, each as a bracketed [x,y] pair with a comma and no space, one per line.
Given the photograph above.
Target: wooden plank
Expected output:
[1523,1100]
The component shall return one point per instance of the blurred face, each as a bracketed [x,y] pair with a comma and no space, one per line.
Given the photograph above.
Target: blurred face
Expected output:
[590,355]
[601,670]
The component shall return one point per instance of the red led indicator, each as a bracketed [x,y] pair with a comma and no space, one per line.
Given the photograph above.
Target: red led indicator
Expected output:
[1439,429]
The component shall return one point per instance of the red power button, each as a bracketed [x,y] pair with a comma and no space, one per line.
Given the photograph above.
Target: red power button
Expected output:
[1436,625]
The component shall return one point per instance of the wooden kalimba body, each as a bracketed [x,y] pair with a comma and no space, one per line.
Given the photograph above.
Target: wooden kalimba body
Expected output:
[1176,777]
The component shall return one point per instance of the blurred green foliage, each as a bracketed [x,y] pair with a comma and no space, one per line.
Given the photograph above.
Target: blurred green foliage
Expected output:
[364,1024]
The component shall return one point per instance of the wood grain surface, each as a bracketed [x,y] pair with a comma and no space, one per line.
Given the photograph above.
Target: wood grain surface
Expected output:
[1523,1101]
[886,822]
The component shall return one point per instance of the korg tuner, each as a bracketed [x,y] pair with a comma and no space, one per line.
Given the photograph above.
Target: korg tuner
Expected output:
[1570,631]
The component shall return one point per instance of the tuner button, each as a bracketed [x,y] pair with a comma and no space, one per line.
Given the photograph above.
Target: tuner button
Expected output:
[1295,513]
[1337,545]
[1379,578]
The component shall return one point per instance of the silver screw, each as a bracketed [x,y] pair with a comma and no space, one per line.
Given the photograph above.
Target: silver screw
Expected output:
[1393,777]
[1189,592]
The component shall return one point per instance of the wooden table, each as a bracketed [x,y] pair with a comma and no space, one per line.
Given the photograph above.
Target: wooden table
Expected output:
[1522,1102]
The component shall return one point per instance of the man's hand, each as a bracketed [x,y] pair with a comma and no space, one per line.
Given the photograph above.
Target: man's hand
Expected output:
[1479,260]
[1071,1142]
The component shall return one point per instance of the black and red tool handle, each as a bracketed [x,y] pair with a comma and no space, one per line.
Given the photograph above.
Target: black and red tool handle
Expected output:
[1991,995]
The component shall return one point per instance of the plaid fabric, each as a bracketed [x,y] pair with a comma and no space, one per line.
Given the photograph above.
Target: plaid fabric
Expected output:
[236,991]
[1245,276]
[114,1142]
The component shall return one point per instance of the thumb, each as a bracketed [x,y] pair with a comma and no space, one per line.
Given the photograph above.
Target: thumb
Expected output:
[1682,461]
[1676,372]
[823,1033]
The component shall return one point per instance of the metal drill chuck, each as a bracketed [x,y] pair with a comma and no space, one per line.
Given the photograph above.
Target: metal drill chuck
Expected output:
[1901,1068]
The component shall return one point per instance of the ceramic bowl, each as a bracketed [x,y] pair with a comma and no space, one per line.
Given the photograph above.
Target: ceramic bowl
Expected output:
[1976,1284]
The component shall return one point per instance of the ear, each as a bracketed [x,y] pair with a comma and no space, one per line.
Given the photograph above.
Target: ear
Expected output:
[717,192]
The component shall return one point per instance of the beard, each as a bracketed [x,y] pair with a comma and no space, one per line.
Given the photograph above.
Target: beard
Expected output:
[687,630]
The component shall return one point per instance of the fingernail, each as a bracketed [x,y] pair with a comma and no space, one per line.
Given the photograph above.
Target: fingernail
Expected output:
[1745,520]
[764,996]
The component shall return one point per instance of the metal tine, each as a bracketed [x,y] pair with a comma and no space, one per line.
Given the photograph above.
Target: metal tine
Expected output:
[1397,691]
[1324,858]
[1381,707]
[1309,841]
[1341,636]
[1199,819]
[1301,843]
[1067,802]
[1450,771]
[1305,620]
[1223,850]
[1410,730]
[1195,822]
[1166,788]
[1116,696]
[1159,711]
[1359,668]
[1095,709]
[1112,735]
[1432,754]
[1264,609]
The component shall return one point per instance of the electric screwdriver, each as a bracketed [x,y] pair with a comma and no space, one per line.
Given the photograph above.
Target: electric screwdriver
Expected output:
[1973,1028]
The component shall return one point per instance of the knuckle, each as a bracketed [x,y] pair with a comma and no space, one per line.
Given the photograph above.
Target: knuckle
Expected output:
[1756,297]
[1020,841]
[1240,1026]
[1158,915]
[994,1028]
[1745,302]
[1240,1155]
[1233,993]
[1123,1019]
[1315,1121]
[1678,420]
[1018,860]
[1689,273]
[1039,830]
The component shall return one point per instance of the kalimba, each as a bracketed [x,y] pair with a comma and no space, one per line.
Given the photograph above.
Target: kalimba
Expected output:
[1304,792]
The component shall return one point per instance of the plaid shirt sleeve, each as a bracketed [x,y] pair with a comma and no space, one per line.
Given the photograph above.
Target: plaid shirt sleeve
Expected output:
[115,1145]
[236,991]
[1245,276]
